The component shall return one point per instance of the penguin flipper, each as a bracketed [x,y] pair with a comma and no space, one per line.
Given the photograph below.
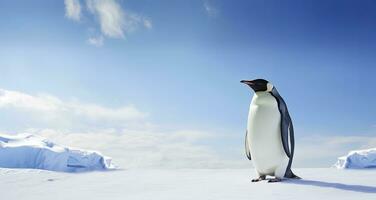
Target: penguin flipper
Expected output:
[286,134]
[287,130]
[247,150]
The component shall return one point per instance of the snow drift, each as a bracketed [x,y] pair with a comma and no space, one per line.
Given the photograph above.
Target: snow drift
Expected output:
[31,151]
[358,159]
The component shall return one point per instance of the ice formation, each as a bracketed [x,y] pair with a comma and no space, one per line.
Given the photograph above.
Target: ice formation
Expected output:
[358,159]
[32,151]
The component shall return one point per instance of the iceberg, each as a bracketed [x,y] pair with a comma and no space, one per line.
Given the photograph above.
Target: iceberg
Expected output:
[32,151]
[358,159]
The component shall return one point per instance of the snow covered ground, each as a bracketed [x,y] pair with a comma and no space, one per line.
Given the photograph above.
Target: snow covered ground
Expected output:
[192,184]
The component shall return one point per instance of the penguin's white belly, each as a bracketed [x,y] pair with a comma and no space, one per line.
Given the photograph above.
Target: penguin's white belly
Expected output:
[264,136]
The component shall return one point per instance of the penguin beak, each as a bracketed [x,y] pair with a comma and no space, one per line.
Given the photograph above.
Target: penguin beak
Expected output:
[247,82]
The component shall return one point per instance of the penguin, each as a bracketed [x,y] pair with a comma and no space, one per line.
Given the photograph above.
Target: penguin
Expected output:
[269,140]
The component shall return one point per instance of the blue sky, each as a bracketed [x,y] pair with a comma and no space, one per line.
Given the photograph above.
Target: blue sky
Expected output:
[180,63]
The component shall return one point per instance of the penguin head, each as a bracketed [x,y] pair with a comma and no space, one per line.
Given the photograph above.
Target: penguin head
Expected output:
[259,85]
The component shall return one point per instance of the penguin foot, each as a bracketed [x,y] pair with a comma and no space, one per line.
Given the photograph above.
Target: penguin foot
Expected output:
[259,179]
[274,180]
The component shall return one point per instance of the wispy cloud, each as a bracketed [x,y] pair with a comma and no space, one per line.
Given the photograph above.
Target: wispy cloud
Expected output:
[22,101]
[96,41]
[113,20]
[211,10]
[73,9]
[52,110]
[110,15]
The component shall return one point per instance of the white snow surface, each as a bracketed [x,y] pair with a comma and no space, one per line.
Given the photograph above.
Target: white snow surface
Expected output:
[357,159]
[32,151]
[185,184]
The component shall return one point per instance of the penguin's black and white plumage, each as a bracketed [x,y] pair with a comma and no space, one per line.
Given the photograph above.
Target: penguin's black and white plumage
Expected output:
[269,138]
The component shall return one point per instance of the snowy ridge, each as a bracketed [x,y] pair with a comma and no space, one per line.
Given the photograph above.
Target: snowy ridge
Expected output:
[357,159]
[31,151]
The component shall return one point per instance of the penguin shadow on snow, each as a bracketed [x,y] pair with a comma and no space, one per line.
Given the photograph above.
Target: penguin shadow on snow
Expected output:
[340,186]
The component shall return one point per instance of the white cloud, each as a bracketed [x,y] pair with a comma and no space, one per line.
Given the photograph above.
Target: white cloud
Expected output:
[113,20]
[73,9]
[96,41]
[97,112]
[52,109]
[110,16]
[210,9]
[24,101]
